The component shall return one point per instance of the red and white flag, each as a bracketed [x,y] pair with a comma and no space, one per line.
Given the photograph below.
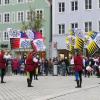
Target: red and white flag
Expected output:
[39,45]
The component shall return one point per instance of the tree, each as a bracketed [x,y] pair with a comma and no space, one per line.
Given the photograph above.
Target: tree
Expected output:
[35,21]
[24,26]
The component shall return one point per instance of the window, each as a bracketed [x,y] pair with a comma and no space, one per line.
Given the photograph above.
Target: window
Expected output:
[5,36]
[20,1]
[6,1]
[29,15]
[61,29]
[88,4]
[0,2]
[0,18]
[88,26]
[61,7]
[74,25]
[6,17]
[74,5]
[20,16]
[39,14]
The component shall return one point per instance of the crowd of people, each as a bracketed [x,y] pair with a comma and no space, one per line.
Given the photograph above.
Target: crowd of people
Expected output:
[31,65]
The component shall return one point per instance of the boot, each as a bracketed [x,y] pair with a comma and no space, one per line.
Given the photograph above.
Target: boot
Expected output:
[29,83]
[2,79]
[36,77]
[80,84]
[77,84]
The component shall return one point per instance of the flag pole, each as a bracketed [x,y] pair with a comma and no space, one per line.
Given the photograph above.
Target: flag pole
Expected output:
[95,52]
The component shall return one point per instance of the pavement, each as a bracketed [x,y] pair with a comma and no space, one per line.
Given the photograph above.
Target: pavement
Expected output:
[49,88]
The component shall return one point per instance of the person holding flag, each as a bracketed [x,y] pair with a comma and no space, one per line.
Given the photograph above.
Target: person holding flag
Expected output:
[30,67]
[78,67]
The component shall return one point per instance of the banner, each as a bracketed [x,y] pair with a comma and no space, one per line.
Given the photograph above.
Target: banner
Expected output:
[19,39]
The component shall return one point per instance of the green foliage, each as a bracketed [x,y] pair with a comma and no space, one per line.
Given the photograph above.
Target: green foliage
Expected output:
[24,26]
[34,22]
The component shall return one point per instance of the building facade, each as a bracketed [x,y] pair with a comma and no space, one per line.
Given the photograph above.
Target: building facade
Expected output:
[71,14]
[13,12]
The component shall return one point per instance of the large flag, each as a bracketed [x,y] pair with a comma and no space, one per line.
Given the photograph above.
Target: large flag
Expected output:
[13,33]
[92,47]
[30,34]
[79,43]
[92,34]
[38,35]
[15,43]
[70,39]
[23,35]
[70,42]
[25,43]
[72,33]
[97,40]
[39,45]
[95,43]
[79,34]
[87,41]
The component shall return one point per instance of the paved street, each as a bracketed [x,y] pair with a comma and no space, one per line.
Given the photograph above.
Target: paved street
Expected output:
[50,88]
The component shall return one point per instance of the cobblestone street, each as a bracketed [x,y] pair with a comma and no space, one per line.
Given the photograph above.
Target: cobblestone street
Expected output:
[49,88]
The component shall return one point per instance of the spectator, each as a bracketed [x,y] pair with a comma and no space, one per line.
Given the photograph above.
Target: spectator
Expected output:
[15,65]
[2,65]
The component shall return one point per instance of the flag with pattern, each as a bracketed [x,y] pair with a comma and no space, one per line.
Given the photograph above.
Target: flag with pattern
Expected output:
[15,43]
[92,34]
[39,45]
[30,34]
[13,33]
[97,40]
[25,43]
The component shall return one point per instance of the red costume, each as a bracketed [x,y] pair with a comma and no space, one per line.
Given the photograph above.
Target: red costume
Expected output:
[2,61]
[78,62]
[30,65]
[15,64]
[2,66]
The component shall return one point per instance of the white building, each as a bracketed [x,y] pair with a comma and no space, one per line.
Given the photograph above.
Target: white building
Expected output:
[70,14]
